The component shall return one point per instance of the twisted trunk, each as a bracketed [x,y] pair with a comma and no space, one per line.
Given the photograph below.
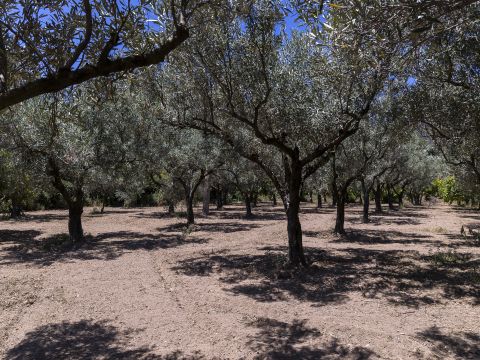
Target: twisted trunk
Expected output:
[340,220]
[171,208]
[189,205]
[294,228]
[248,205]
[389,197]
[319,200]
[219,198]
[366,203]
[378,199]
[206,197]
[75,229]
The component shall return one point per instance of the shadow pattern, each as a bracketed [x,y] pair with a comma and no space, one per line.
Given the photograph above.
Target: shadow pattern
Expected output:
[26,247]
[464,345]
[85,340]
[401,277]
[283,341]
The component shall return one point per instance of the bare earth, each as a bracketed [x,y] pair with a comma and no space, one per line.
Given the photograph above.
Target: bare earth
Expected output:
[405,286]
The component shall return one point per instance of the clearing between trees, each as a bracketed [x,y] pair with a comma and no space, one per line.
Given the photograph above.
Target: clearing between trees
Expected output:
[144,286]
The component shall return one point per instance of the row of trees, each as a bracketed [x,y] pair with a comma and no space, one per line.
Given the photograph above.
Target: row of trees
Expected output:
[351,102]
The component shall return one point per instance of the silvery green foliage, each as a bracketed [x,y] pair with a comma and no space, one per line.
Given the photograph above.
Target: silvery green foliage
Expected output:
[246,176]
[90,138]
[423,164]
[266,94]
[48,46]
[447,97]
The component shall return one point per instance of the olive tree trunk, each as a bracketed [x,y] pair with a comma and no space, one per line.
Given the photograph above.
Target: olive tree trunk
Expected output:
[189,205]
[219,198]
[340,220]
[171,208]
[366,203]
[294,228]
[248,205]
[75,230]
[206,197]
[378,199]
[389,197]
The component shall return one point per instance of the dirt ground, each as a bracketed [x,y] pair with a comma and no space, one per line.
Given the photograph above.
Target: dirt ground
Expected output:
[405,286]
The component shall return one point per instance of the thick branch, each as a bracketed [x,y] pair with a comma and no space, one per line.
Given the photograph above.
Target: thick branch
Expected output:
[64,79]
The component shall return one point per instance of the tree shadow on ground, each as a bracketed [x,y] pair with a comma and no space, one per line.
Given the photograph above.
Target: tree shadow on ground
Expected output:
[40,218]
[13,236]
[323,210]
[409,213]
[258,214]
[208,227]
[401,277]
[462,345]
[374,237]
[85,340]
[385,220]
[27,247]
[281,340]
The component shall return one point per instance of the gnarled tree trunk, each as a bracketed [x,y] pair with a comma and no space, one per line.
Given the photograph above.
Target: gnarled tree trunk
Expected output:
[75,229]
[366,203]
[296,254]
[206,197]
[389,197]
[248,205]
[378,199]
[319,200]
[340,220]
[219,198]
[189,205]
[171,208]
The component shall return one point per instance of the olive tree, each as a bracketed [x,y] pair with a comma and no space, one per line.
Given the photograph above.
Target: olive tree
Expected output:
[278,101]
[72,139]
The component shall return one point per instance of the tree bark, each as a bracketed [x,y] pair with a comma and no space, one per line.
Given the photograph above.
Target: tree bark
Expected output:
[225,197]
[15,210]
[334,183]
[366,203]
[389,197]
[334,195]
[274,199]
[248,206]
[171,208]
[296,254]
[67,77]
[190,214]
[254,200]
[378,199]
[400,199]
[206,197]
[219,198]
[319,200]
[75,230]
[417,199]
[340,220]
[104,200]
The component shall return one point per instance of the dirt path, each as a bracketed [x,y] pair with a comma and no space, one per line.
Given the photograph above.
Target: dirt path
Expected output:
[405,286]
